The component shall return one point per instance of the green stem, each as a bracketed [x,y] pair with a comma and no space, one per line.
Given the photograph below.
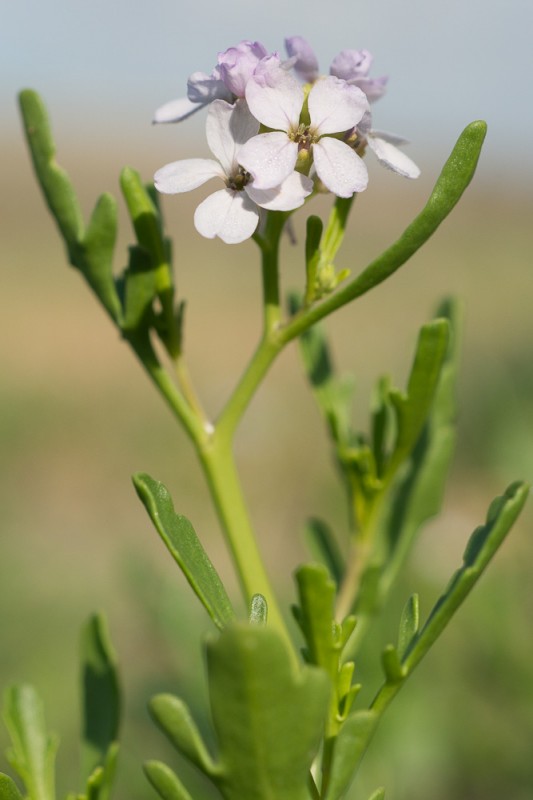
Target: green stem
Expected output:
[225,488]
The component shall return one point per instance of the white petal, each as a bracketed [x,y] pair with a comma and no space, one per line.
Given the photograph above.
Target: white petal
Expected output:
[392,158]
[269,158]
[176,110]
[275,98]
[393,138]
[230,215]
[227,127]
[182,176]
[290,194]
[339,168]
[335,106]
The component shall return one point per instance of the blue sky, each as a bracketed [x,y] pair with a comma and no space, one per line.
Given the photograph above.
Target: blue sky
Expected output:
[449,61]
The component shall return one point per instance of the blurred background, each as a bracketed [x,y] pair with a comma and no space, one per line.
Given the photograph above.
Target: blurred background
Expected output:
[78,416]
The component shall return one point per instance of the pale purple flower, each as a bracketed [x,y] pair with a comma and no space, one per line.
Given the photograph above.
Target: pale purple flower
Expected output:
[275,98]
[237,65]
[384,147]
[352,66]
[303,58]
[202,89]
[227,81]
[233,212]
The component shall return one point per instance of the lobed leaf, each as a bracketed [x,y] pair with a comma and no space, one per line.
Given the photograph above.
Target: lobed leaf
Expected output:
[324,547]
[267,716]
[183,544]
[350,747]
[96,254]
[174,718]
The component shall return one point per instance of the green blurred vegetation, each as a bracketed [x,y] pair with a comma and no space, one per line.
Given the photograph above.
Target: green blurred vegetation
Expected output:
[78,418]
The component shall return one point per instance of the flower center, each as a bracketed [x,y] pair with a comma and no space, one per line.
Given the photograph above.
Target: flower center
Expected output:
[304,136]
[238,181]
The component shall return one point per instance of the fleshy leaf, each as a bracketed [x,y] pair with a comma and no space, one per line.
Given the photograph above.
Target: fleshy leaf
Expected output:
[175,720]
[267,716]
[350,747]
[408,624]
[55,183]
[413,407]
[185,547]
[101,702]
[96,257]
[324,547]
[258,614]
[165,781]
[33,750]
[8,788]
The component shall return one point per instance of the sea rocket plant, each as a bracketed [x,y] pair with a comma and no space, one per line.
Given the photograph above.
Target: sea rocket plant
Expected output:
[283,140]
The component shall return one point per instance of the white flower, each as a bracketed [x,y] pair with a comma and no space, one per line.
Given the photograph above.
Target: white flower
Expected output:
[383,145]
[276,99]
[231,213]
[202,89]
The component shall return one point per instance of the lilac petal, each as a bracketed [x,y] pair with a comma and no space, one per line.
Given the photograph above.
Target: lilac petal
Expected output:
[274,96]
[339,168]
[334,106]
[227,128]
[269,158]
[392,158]
[176,110]
[236,65]
[305,63]
[182,176]
[374,88]
[202,88]
[349,64]
[290,194]
[230,215]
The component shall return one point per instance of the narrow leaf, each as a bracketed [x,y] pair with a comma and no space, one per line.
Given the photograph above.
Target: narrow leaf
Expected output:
[186,549]
[165,781]
[33,750]
[409,622]
[453,180]
[323,546]
[55,183]
[480,549]
[101,695]
[96,257]
[350,747]
[174,718]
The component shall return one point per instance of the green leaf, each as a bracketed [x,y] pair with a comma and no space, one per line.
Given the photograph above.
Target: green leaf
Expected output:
[101,697]
[379,794]
[409,623]
[174,718]
[96,255]
[312,255]
[8,788]
[480,549]
[267,716]
[324,547]
[33,750]
[144,215]
[186,549]
[258,613]
[55,183]
[392,666]
[350,747]
[165,781]
[139,289]
[413,407]
[314,615]
[100,781]
[453,180]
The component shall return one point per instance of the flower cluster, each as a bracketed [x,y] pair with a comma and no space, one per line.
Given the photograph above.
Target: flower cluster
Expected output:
[279,132]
